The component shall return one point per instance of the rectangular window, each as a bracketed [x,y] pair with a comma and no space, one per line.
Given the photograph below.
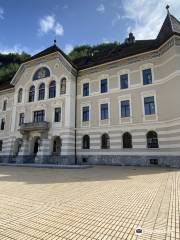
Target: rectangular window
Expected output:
[104,111]
[124,81]
[4,105]
[85,89]
[147,76]
[57,114]
[21,119]
[85,114]
[104,87]
[149,105]
[125,109]
[39,116]
[1,145]
[2,124]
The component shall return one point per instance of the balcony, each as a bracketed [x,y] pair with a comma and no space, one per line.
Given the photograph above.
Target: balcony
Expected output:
[34,126]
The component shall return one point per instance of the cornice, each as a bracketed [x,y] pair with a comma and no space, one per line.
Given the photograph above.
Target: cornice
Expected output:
[136,58]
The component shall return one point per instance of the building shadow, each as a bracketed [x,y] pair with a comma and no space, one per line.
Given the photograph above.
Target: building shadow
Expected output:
[31,175]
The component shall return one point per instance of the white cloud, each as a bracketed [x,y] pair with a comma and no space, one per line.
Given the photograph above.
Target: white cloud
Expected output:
[49,23]
[116,19]
[105,40]
[1,13]
[68,48]
[101,8]
[58,29]
[18,48]
[147,16]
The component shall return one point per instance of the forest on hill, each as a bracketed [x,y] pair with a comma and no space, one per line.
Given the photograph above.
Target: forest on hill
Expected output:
[9,64]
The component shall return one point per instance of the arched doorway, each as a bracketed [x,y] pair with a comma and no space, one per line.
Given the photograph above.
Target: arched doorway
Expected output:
[36,145]
[56,147]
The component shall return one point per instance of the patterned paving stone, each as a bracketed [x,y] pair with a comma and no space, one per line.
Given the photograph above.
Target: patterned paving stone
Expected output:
[99,203]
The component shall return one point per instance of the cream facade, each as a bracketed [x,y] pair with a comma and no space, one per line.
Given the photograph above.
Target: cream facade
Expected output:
[99,122]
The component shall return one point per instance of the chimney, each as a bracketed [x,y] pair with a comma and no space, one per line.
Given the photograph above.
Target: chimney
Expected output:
[131,39]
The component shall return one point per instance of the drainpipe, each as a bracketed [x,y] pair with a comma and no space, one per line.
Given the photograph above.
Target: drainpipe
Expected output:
[75,132]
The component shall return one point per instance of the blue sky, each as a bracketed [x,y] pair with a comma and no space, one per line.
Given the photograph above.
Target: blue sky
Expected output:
[32,25]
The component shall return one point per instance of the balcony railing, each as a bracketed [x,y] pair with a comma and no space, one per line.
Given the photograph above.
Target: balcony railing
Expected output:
[34,126]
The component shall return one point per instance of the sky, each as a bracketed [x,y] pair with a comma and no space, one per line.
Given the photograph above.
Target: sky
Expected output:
[31,26]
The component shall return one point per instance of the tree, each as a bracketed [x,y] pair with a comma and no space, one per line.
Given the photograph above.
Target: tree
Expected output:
[9,64]
[93,51]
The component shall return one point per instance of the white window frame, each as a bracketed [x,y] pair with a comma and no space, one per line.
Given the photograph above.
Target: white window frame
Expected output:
[40,66]
[104,101]
[38,109]
[149,94]
[57,105]
[102,77]
[122,72]
[2,107]
[124,98]
[144,67]
[87,123]
[17,95]
[82,84]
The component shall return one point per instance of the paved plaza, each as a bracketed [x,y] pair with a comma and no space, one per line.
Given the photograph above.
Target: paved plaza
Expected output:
[104,202]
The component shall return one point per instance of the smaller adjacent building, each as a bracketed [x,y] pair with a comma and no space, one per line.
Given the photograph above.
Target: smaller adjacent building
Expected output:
[121,107]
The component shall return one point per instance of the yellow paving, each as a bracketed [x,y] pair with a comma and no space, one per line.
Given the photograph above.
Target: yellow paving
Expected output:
[104,203]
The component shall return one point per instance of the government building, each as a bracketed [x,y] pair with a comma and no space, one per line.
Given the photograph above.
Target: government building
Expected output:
[122,108]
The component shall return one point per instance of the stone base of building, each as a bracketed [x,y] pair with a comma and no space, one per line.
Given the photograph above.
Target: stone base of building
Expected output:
[58,160]
[164,161]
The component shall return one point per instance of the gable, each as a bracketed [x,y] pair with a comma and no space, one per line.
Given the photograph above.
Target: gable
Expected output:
[51,62]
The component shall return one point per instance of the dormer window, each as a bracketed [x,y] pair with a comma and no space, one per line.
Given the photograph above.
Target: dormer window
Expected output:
[42,72]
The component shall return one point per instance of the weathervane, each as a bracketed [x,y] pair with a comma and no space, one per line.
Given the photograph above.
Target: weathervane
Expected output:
[167,7]
[55,39]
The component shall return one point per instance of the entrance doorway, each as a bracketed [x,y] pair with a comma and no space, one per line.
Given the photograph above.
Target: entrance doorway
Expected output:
[36,145]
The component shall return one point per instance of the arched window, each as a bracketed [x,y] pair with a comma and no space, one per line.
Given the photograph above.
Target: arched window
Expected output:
[42,72]
[152,140]
[31,93]
[127,140]
[86,142]
[52,89]
[41,91]
[63,86]
[20,92]
[105,141]
[2,124]
[56,146]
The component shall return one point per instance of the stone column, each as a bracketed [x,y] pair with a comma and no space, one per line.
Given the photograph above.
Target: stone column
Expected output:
[44,152]
[7,152]
[24,152]
[68,147]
